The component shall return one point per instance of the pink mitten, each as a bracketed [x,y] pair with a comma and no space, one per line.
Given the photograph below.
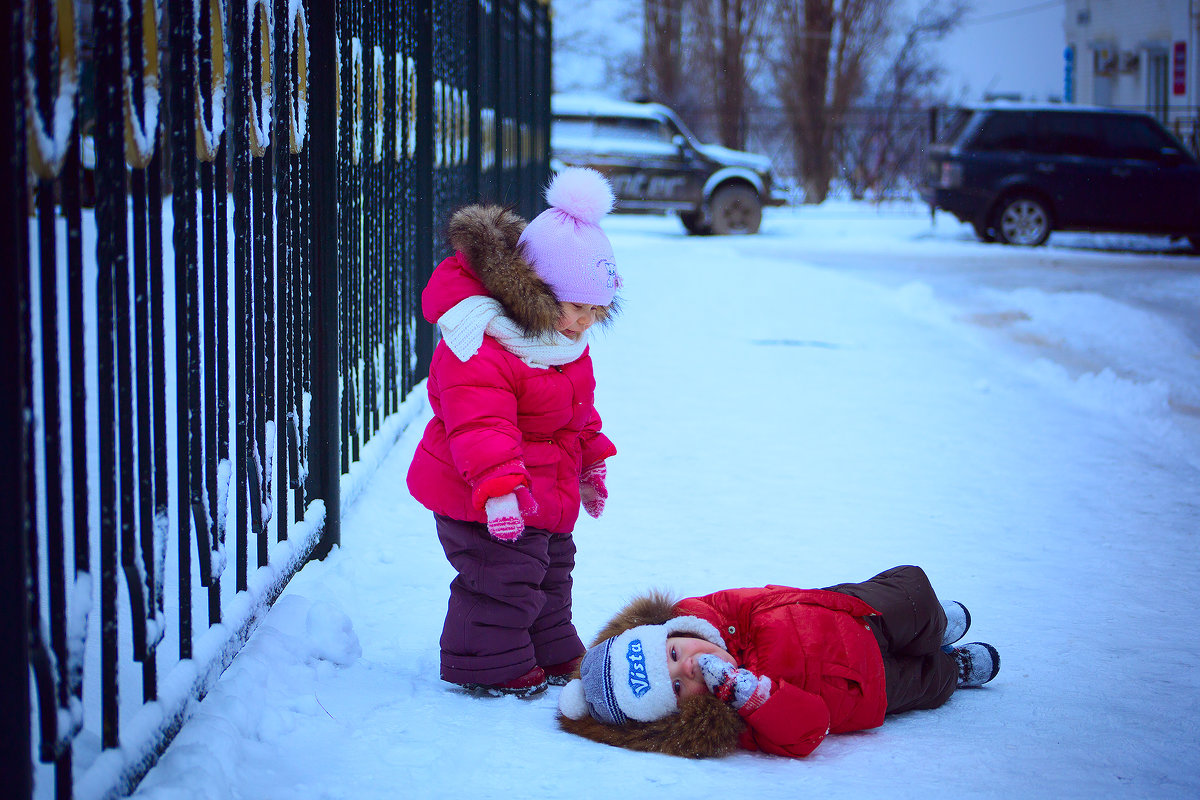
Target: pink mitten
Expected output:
[741,688]
[525,501]
[504,517]
[592,490]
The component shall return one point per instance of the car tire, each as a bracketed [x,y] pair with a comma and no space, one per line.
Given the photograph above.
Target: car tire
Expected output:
[736,209]
[1022,219]
[1194,241]
[694,222]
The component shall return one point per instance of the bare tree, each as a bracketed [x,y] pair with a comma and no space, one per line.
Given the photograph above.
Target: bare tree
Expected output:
[824,54]
[662,50]
[723,47]
[878,150]
[596,60]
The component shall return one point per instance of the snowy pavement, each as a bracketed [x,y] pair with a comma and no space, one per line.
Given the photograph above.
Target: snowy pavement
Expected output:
[781,422]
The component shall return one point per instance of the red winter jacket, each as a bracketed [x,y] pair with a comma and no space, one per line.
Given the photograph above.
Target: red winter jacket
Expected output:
[823,660]
[498,422]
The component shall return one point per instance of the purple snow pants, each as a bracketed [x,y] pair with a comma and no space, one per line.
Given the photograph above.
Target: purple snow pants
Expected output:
[510,604]
[909,630]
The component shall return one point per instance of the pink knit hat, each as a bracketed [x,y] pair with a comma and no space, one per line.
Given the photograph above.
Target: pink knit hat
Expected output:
[564,243]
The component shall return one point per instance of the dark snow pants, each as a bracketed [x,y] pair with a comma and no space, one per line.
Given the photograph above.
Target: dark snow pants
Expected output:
[909,630]
[510,604]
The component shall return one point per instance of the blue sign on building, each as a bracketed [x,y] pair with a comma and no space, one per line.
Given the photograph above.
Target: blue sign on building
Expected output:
[1069,74]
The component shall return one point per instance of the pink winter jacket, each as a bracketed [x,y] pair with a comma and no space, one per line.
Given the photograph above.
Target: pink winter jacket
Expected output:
[499,423]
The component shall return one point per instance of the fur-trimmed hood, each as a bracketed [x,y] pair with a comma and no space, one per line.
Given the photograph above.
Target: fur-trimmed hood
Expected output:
[488,261]
[704,726]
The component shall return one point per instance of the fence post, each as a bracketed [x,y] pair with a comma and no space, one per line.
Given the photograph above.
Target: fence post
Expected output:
[425,235]
[15,737]
[326,445]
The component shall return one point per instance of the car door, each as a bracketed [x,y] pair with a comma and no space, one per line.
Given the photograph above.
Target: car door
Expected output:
[1158,178]
[646,166]
[1069,157]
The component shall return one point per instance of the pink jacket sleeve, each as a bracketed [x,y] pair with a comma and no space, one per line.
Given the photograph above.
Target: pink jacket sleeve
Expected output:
[596,446]
[479,409]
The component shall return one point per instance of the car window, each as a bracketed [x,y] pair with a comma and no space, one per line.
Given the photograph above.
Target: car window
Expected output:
[955,125]
[1134,137]
[1068,135]
[646,130]
[615,136]
[570,128]
[1003,131]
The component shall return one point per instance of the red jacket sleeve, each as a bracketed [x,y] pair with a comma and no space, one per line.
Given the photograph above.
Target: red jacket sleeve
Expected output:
[791,723]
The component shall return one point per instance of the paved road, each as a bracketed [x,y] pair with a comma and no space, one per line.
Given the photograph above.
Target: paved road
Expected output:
[1164,282]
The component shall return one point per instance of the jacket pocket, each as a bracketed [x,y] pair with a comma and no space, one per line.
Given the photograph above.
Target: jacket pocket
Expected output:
[843,692]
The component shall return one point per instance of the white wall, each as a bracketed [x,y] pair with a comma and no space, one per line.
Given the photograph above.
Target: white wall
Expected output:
[1136,33]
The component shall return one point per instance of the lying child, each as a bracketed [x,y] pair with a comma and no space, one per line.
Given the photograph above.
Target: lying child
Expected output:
[773,669]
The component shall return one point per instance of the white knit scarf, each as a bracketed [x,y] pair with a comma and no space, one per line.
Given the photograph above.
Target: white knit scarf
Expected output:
[464,326]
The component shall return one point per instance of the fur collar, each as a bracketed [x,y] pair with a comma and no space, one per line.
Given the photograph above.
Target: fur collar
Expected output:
[487,236]
[704,726]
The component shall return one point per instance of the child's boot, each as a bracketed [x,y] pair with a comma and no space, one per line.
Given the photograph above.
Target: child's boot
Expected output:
[559,674]
[531,683]
[958,622]
[978,663]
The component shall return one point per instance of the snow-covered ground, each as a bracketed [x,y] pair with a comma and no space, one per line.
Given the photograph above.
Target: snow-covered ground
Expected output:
[782,422]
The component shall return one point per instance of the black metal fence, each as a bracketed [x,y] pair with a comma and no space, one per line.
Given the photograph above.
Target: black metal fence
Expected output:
[217,217]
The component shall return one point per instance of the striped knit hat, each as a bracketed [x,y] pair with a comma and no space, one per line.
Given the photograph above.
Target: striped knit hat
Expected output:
[626,677]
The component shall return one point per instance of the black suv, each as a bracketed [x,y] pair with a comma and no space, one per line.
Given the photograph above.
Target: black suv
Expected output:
[655,164]
[1018,172]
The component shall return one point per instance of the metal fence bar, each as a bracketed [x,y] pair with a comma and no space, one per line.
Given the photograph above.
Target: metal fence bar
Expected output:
[162,399]
[325,466]
[283,252]
[110,252]
[81,555]
[16,416]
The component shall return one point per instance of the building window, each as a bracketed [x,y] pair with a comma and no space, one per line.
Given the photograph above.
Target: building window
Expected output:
[1157,75]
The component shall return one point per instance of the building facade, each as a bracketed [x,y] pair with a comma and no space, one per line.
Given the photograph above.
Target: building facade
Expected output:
[1137,54]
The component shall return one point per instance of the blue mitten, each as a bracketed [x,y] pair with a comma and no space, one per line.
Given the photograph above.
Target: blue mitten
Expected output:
[741,688]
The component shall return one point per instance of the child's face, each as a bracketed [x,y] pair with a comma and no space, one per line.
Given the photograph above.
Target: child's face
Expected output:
[575,318]
[686,677]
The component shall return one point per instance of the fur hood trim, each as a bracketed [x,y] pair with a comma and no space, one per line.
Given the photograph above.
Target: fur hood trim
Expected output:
[703,728]
[487,237]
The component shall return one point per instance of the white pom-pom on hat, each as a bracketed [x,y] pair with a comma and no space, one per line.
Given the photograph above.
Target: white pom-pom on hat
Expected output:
[571,702]
[581,192]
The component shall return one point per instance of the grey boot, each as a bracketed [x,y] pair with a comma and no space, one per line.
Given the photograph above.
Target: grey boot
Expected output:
[978,663]
[958,622]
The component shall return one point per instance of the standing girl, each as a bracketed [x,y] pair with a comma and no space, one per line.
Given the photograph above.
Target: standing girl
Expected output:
[515,445]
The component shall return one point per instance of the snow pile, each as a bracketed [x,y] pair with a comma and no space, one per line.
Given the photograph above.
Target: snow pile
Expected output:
[269,688]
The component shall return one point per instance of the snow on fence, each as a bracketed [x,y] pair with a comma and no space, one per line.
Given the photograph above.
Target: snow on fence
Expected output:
[218,216]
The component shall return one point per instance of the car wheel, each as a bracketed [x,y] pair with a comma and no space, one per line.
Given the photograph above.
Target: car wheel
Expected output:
[1194,241]
[1022,220]
[694,222]
[735,209]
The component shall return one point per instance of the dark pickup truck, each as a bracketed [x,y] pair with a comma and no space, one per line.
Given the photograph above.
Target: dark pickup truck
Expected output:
[655,164]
